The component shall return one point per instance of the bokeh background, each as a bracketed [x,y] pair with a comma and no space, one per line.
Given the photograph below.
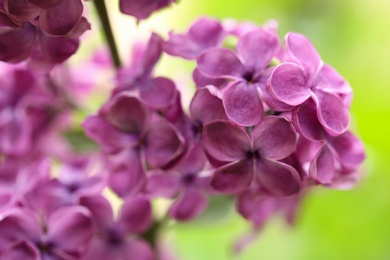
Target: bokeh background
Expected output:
[351,35]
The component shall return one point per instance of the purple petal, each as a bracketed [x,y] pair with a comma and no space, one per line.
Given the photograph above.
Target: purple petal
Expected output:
[233,178]
[257,48]
[148,56]
[219,63]
[22,10]
[16,136]
[350,150]
[126,113]
[98,129]
[100,209]
[16,44]
[275,137]
[190,204]
[141,9]
[332,113]
[18,224]
[278,178]
[159,93]
[301,49]
[206,107]
[62,18]
[202,80]
[57,49]
[288,84]
[322,168]
[136,250]
[70,228]
[224,141]
[194,161]
[329,79]
[45,3]
[306,121]
[243,104]
[162,185]
[135,215]
[80,28]
[126,173]
[163,144]
[22,250]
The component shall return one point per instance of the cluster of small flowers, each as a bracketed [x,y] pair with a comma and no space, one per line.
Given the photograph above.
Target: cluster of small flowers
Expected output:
[265,124]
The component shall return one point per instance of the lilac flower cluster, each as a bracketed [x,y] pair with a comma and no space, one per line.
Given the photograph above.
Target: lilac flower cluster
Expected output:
[43,32]
[268,120]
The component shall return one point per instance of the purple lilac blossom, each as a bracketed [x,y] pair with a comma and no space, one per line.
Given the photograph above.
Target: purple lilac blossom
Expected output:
[141,9]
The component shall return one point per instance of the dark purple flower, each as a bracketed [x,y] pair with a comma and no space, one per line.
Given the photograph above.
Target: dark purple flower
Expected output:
[26,41]
[185,183]
[55,17]
[113,238]
[66,235]
[305,78]
[252,158]
[142,9]
[135,141]
[248,71]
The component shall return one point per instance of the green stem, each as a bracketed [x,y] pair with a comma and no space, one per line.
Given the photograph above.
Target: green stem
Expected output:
[105,21]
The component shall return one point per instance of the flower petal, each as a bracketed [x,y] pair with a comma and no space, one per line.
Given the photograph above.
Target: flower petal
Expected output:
[70,228]
[57,49]
[22,10]
[44,3]
[190,204]
[233,178]
[275,137]
[22,250]
[257,49]
[322,168]
[126,113]
[16,44]
[206,107]
[219,63]
[288,84]
[100,209]
[126,172]
[278,178]
[162,185]
[332,113]
[202,80]
[159,93]
[306,121]
[163,144]
[350,150]
[61,18]
[135,215]
[243,104]
[301,49]
[136,250]
[224,141]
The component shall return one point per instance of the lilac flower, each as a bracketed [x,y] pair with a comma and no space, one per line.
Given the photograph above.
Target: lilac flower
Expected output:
[185,183]
[247,69]
[21,41]
[252,158]
[306,77]
[133,139]
[114,238]
[55,17]
[65,234]
[141,9]
[158,92]
[202,35]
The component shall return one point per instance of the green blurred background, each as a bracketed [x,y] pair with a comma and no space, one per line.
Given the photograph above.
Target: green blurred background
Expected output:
[353,36]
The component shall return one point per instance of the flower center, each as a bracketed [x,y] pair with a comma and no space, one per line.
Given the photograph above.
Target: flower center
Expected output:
[188,179]
[252,155]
